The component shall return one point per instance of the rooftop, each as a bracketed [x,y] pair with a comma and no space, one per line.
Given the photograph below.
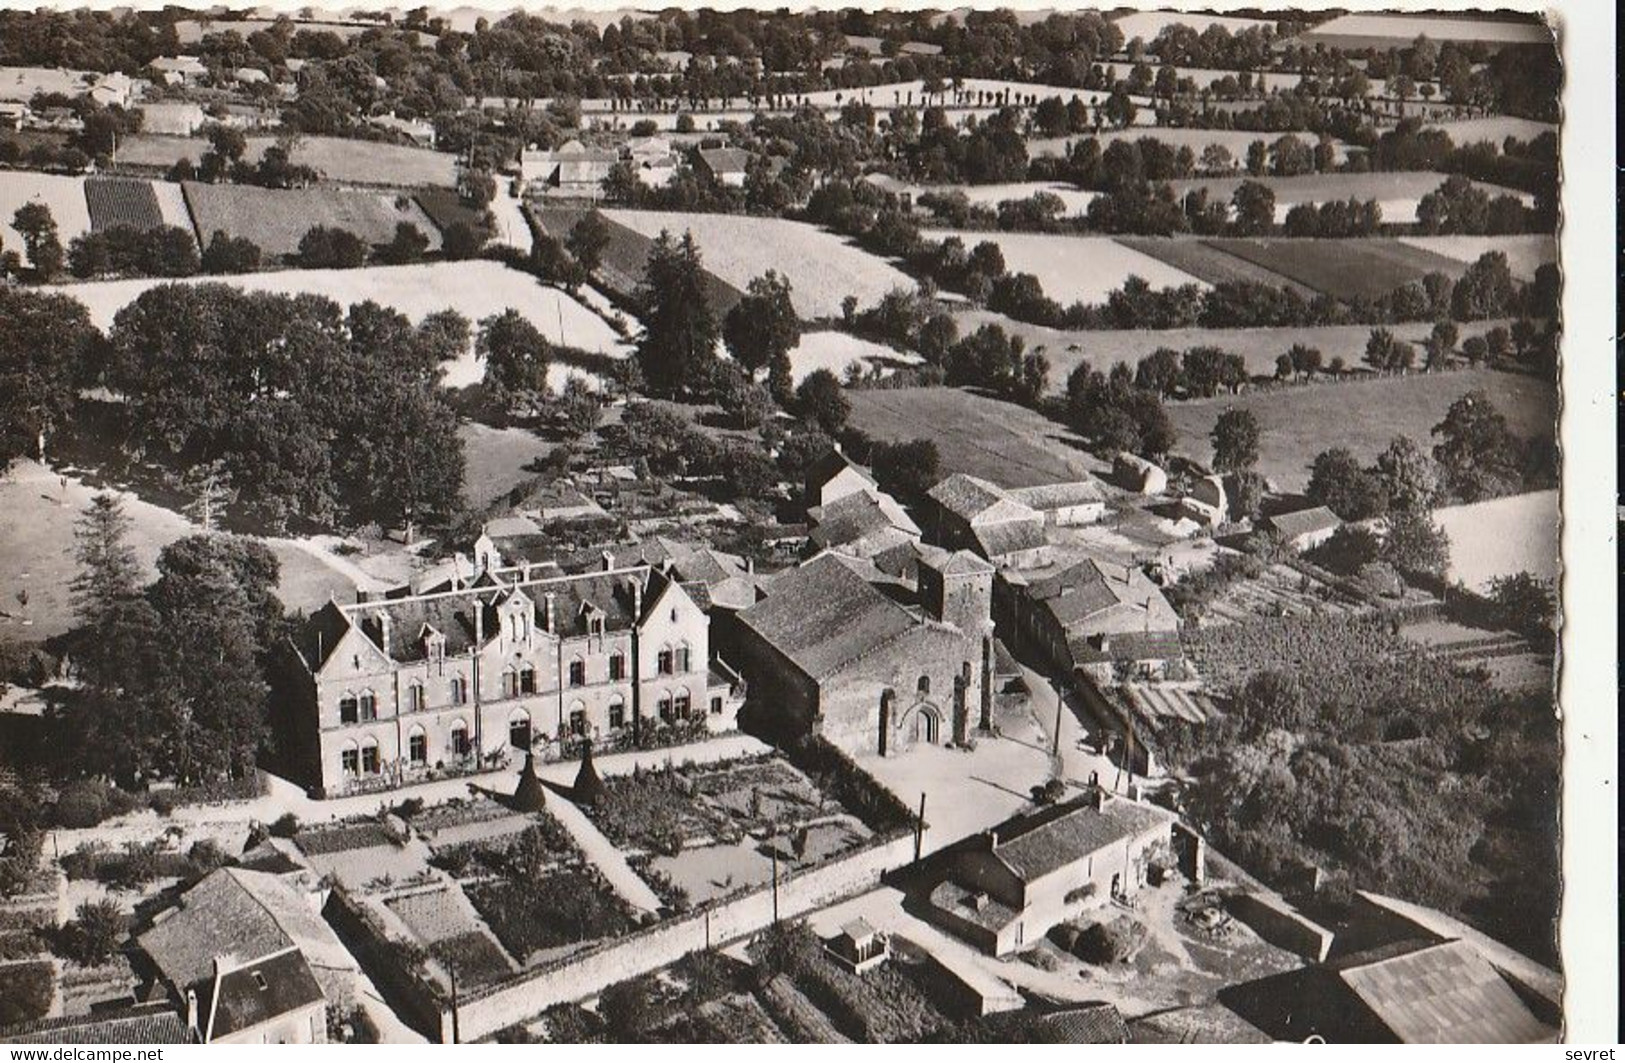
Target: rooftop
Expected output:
[823,615]
[1304,522]
[143,1025]
[243,997]
[1054,496]
[1070,832]
[1444,994]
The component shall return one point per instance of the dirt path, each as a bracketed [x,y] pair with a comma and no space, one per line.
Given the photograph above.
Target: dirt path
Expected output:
[604,855]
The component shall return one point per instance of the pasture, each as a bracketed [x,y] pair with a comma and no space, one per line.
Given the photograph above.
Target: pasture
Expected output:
[1344,269]
[838,351]
[1371,30]
[64,195]
[277,219]
[1396,192]
[622,262]
[1502,537]
[1208,263]
[1072,268]
[474,289]
[1525,252]
[1076,200]
[1259,347]
[1297,423]
[1147,24]
[1235,141]
[974,433]
[823,269]
[1493,128]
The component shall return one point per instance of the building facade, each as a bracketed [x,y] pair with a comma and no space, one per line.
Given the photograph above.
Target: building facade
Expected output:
[395,690]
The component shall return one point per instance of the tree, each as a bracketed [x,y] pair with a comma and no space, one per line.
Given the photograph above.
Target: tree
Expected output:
[1235,441]
[744,400]
[1408,476]
[906,470]
[47,343]
[579,406]
[1338,482]
[587,240]
[679,338]
[461,241]
[94,932]
[329,248]
[230,254]
[1253,206]
[35,224]
[1274,700]
[408,245]
[89,256]
[170,252]
[821,400]
[516,357]
[1159,372]
[747,472]
[108,571]
[1441,342]
[1477,453]
[1415,544]
[1486,290]
[1525,603]
[763,325]
[1306,360]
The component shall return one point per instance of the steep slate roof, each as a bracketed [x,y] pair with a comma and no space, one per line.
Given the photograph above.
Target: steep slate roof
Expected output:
[320,633]
[257,992]
[850,518]
[1443,994]
[1129,646]
[1093,586]
[240,913]
[1304,522]
[823,615]
[1054,496]
[972,498]
[1072,833]
[1092,1024]
[1007,537]
[142,1025]
[831,464]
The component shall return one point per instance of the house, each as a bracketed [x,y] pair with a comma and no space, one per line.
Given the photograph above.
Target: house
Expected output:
[725,166]
[1026,876]
[144,1024]
[420,131]
[968,512]
[725,581]
[247,914]
[1091,615]
[178,69]
[654,158]
[248,76]
[573,170]
[1303,529]
[1134,473]
[835,476]
[267,1000]
[1064,504]
[828,652]
[860,524]
[172,119]
[407,687]
[12,115]
[858,946]
[899,195]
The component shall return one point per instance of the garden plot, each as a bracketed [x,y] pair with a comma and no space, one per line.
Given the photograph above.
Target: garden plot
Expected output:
[122,201]
[277,219]
[65,196]
[1397,193]
[823,269]
[707,832]
[1525,252]
[1344,269]
[1503,536]
[447,924]
[840,351]
[1511,663]
[1279,590]
[474,289]
[1072,268]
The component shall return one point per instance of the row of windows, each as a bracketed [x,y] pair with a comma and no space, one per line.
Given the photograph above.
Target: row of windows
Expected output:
[362,708]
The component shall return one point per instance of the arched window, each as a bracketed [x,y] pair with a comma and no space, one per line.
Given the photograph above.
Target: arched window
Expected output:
[414,698]
[510,683]
[683,659]
[578,719]
[371,763]
[417,747]
[617,713]
[460,746]
[924,685]
[459,690]
[350,760]
[663,707]
[664,661]
[617,666]
[578,673]
[680,705]
[519,729]
[527,679]
[349,709]
[369,705]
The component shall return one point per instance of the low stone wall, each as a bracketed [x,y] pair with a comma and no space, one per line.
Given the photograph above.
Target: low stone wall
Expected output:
[585,974]
[1282,925]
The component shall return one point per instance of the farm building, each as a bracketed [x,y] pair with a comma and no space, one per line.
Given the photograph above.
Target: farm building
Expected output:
[1208,503]
[725,166]
[1063,504]
[1090,616]
[861,525]
[1134,473]
[828,652]
[1028,875]
[1303,529]
[515,660]
[171,118]
[572,170]
[142,1024]
[419,131]
[178,69]
[270,1000]
[971,513]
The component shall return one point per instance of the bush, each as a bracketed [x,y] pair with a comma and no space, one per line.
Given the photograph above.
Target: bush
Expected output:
[81,804]
[26,992]
[1114,942]
[164,802]
[286,826]
[92,936]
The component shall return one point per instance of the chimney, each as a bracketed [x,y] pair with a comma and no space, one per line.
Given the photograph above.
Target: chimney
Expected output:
[750,566]
[1100,798]
[362,597]
[547,613]
[609,561]
[384,625]
[192,1027]
[993,838]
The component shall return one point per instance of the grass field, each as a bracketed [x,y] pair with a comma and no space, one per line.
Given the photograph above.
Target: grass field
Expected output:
[1076,200]
[277,219]
[1525,253]
[1202,260]
[363,162]
[1066,350]
[822,268]
[1370,30]
[1398,192]
[974,434]
[835,351]
[1363,416]
[1495,129]
[622,262]
[475,289]
[121,201]
[64,195]
[1074,267]
[1147,24]
[494,460]
[1344,269]
[1503,537]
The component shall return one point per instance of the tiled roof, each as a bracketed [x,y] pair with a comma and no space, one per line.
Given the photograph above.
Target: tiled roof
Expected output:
[1304,522]
[972,905]
[1093,586]
[1054,496]
[725,160]
[144,1025]
[1008,537]
[259,991]
[1128,646]
[1072,832]
[319,634]
[1092,1024]
[1444,994]
[822,615]
[968,496]
[848,519]
[241,913]
[832,463]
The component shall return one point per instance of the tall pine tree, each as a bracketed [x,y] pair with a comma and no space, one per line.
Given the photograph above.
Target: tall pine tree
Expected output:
[679,341]
[108,571]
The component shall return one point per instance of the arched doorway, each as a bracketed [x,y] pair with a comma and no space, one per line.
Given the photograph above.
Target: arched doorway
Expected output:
[927,725]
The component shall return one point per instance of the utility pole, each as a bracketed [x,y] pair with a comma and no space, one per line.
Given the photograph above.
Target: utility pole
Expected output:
[919,828]
[1055,745]
[775,885]
[456,1027]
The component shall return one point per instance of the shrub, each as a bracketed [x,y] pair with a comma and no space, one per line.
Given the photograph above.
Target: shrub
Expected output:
[82,803]
[286,826]
[26,992]
[206,856]
[1114,942]
[92,936]
[164,802]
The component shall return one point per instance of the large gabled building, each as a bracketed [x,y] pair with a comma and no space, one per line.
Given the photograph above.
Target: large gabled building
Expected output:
[396,689]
